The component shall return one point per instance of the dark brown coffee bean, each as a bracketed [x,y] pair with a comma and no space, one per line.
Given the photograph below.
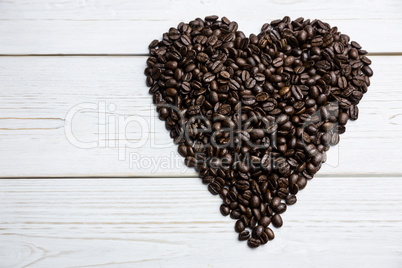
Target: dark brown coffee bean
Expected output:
[235,214]
[342,82]
[268,106]
[297,93]
[277,220]
[248,99]
[343,118]
[245,235]
[242,185]
[239,226]
[316,42]
[202,57]
[255,201]
[269,233]
[353,112]
[265,221]
[277,62]
[214,188]
[291,199]
[281,208]
[253,242]
[171,65]
[217,67]
[257,231]
[264,238]
[276,201]
[367,70]
[224,210]
[242,167]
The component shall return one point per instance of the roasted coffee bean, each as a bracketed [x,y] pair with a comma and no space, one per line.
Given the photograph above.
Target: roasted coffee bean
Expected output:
[239,226]
[245,235]
[264,238]
[214,188]
[255,115]
[235,214]
[291,199]
[171,65]
[276,201]
[277,220]
[257,231]
[353,112]
[253,242]
[255,201]
[242,167]
[281,208]
[248,99]
[265,221]
[367,70]
[270,233]
[343,118]
[224,210]
[277,62]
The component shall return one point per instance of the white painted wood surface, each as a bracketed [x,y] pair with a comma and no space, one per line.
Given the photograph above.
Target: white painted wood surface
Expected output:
[350,215]
[34,125]
[165,222]
[127,27]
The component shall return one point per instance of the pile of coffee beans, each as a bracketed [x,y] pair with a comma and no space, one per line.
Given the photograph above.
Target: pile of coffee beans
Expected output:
[255,115]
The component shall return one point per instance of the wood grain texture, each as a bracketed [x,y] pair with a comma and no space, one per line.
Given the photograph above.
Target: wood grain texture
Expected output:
[39,92]
[127,27]
[165,222]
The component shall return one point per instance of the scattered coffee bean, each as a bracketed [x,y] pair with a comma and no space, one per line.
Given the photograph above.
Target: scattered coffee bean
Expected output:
[244,235]
[254,242]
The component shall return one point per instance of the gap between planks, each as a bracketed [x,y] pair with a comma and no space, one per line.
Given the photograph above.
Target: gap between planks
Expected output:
[145,55]
[187,176]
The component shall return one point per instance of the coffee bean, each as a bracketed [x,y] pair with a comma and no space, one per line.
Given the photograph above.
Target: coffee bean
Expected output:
[342,82]
[257,231]
[264,238]
[316,42]
[343,118]
[239,226]
[265,221]
[291,199]
[242,167]
[268,106]
[297,93]
[235,214]
[217,67]
[277,62]
[269,233]
[353,112]
[276,201]
[277,220]
[281,208]
[245,235]
[255,201]
[171,65]
[248,99]
[367,70]
[253,242]
[224,210]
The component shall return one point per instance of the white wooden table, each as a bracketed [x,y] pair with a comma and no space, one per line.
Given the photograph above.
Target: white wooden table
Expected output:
[90,177]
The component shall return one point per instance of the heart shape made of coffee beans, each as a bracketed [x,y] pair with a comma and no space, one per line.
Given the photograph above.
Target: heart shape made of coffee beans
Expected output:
[255,115]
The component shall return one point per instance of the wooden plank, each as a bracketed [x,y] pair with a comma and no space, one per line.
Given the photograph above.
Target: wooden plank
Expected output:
[337,222]
[40,93]
[127,27]
[163,10]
